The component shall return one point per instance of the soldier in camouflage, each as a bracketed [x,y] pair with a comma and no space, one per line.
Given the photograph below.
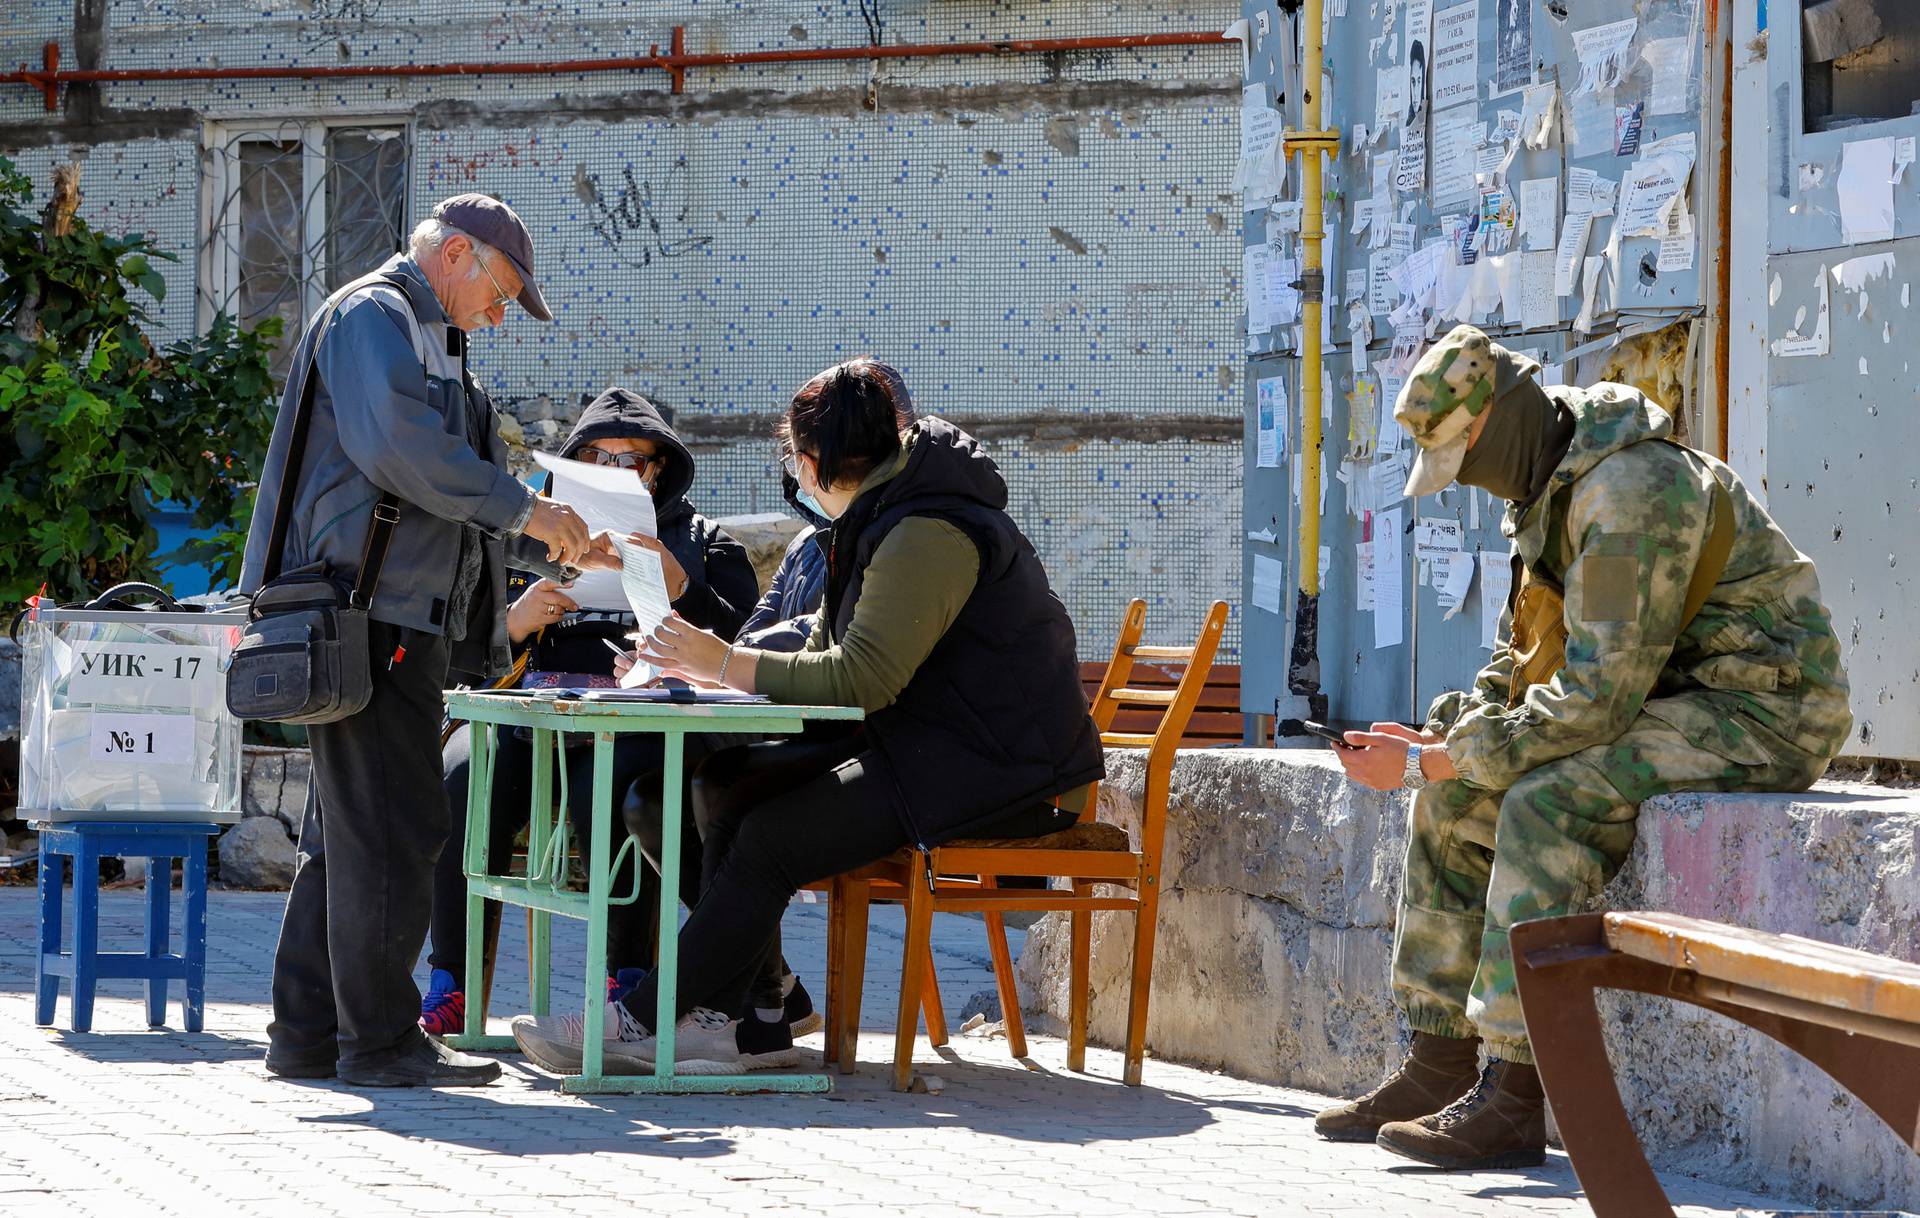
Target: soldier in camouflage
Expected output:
[1528,784]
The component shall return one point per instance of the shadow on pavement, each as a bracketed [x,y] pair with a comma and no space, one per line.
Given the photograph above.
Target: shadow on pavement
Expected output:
[1021,1104]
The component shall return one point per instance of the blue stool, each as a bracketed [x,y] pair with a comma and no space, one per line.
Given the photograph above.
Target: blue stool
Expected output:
[86,843]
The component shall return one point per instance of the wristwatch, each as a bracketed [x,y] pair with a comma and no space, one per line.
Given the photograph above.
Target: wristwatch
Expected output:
[1414,778]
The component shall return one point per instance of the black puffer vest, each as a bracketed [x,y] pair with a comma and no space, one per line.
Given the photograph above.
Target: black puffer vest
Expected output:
[995,719]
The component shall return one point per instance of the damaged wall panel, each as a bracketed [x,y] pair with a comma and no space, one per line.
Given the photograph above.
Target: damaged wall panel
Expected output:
[1042,243]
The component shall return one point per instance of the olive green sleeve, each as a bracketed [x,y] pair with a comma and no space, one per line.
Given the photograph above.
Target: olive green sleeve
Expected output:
[921,575]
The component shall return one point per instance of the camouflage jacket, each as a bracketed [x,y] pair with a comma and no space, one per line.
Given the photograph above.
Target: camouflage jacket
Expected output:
[1621,528]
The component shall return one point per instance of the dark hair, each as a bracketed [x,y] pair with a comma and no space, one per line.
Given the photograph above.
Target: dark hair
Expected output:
[848,419]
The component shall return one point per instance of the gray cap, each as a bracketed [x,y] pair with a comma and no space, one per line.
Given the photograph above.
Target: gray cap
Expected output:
[491,222]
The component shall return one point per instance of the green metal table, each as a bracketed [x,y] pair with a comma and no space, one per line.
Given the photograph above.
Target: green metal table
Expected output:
[543,888]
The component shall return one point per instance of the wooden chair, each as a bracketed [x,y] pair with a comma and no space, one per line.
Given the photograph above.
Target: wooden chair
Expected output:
[1217,721]
[1086,854]
[1853,1014]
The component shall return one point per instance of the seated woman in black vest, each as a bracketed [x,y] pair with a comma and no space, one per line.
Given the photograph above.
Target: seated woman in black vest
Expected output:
[938,621]
[710,580]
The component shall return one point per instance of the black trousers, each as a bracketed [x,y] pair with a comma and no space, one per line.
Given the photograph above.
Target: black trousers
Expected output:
[357,914]
[628,927]
[776,817]
[645,816]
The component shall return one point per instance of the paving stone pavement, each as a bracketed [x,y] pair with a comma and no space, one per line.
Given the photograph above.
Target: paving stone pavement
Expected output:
[127,1121]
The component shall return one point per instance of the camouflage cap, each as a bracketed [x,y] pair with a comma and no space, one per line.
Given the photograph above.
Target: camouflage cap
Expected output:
[1453,384]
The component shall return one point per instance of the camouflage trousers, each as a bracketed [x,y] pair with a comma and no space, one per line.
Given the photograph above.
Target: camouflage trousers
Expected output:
[1479,861]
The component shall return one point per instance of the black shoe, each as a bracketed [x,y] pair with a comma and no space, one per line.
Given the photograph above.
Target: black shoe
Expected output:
[299,1068]
[802,1020]
[427,1064]
[765,1044]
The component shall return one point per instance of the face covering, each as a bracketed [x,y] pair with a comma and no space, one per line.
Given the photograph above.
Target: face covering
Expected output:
[812,505]
[1524,439]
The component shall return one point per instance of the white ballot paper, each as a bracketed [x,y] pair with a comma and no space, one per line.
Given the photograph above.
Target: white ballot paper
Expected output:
[609,499]
[644,582]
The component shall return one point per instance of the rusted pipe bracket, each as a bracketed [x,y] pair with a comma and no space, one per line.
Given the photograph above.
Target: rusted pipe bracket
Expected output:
[676,71]
[47,80]
[1307,141]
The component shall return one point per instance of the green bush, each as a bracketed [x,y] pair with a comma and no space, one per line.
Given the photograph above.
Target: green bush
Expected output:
[104,426]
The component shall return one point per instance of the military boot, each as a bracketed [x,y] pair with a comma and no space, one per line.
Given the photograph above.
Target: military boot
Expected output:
[1439,1070]
[1502,1122]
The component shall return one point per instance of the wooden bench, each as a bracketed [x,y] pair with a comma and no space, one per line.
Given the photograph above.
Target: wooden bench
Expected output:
[1853,1014]
[1216,721]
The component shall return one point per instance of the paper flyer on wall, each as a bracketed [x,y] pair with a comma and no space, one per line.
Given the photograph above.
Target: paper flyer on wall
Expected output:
[1496,582]
[1456,64]
[1513,44]
[1387,592]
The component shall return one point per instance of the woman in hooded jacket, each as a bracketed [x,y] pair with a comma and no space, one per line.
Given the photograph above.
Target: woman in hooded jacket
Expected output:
[709,580]
[939,622]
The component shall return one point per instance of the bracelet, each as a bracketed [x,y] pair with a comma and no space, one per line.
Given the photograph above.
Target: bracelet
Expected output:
[724,661]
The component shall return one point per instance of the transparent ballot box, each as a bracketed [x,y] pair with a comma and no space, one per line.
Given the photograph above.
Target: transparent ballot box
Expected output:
[123,716]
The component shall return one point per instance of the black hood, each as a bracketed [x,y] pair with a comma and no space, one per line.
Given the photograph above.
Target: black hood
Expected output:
[947,463]
[622,412]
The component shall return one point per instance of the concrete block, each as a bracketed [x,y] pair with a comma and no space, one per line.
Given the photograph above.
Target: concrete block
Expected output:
[1275,937]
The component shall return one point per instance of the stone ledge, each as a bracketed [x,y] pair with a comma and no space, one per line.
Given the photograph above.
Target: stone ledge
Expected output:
[1275,933]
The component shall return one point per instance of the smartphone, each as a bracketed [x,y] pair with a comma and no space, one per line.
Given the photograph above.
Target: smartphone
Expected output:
[1333,736]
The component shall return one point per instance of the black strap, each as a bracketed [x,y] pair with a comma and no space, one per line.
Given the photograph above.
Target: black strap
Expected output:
[117,596]
[386,513]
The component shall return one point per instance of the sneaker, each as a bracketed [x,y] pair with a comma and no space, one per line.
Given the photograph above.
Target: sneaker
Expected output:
[766,1044]
[443,1011]
[623,981]
[708,1042]
[801,1017]
[554,1041]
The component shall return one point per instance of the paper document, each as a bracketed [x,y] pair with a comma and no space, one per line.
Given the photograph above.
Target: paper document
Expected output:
[1573,247]
[1798,341]
[1269,576]
[1271,400]
[1387,593]
[1539,306]
[1452,577]
[1496,582]
[609,499]
[1602,50]
[1453,158]
[1456,64]
[644,583]
[1866,191]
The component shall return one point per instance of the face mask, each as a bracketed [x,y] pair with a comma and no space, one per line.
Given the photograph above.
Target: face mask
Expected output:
[812,505]
[1522,443]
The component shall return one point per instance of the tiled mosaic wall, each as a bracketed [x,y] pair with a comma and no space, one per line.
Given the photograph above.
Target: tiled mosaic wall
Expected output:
[1046,246]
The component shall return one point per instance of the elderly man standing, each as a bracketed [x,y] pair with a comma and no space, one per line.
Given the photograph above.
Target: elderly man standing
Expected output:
[1665,636]
[396,418]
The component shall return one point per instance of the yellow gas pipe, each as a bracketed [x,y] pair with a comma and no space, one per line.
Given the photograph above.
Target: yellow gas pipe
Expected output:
[1310,143]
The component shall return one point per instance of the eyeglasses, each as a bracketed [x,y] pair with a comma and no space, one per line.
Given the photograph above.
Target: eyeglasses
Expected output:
[637,462]
[503,299]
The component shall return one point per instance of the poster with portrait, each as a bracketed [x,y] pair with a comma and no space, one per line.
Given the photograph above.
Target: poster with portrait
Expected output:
[1419,61]
[1514,45]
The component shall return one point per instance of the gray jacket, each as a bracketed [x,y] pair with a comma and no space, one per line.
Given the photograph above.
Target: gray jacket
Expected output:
[390,414]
